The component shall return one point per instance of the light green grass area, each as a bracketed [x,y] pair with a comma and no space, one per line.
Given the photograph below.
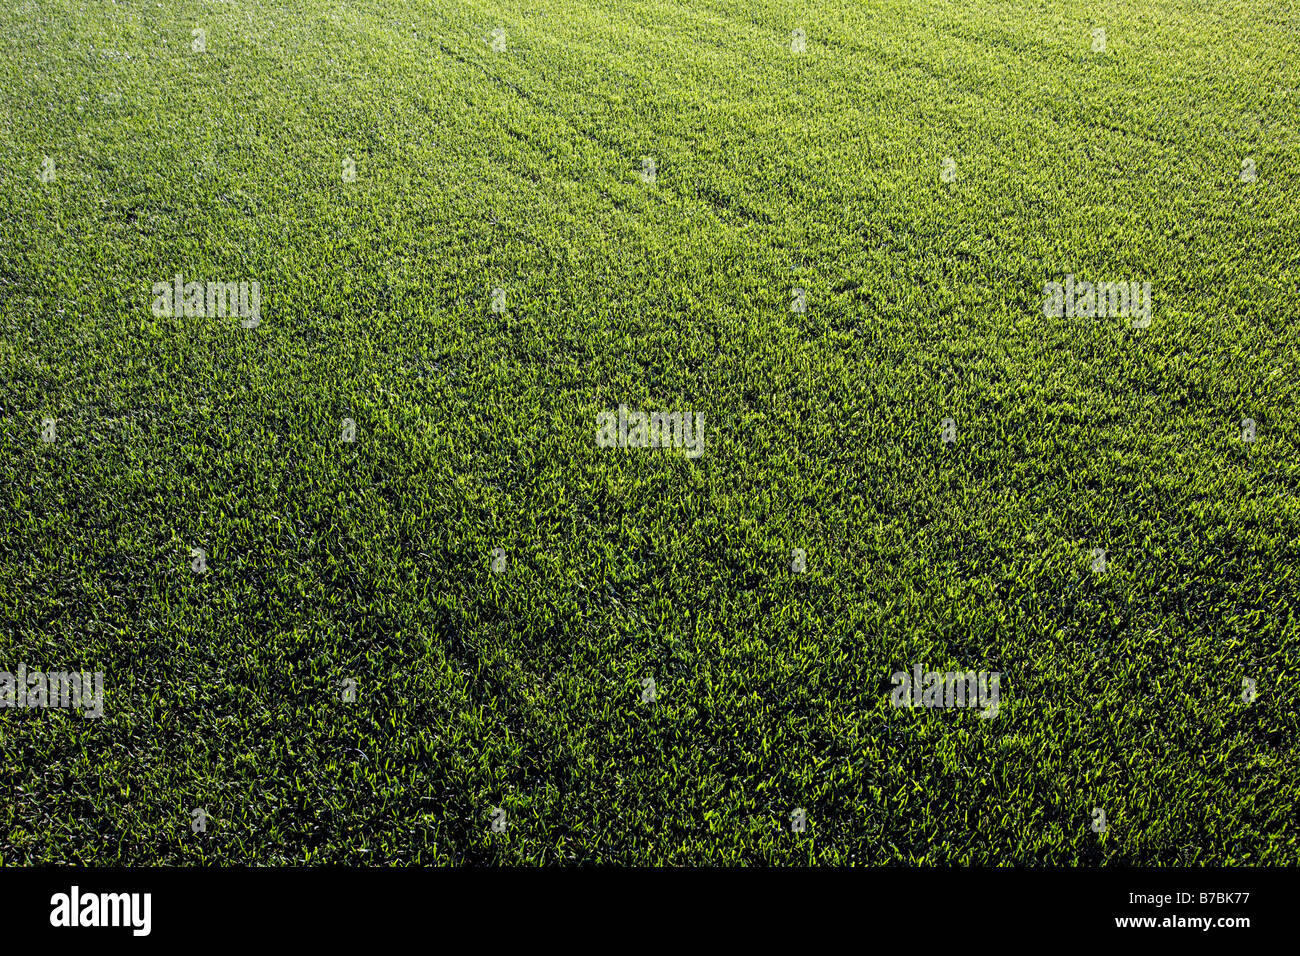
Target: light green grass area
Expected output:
[522,689]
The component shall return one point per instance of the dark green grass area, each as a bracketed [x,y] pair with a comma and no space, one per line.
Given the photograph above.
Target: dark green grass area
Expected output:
[521,689]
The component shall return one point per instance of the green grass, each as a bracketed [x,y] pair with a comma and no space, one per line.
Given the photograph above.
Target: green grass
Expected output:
[372,561]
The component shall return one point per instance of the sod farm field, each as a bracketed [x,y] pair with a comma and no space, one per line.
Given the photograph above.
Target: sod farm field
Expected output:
[649,432]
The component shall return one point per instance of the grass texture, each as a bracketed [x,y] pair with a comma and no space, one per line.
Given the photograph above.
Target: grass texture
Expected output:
[499,587]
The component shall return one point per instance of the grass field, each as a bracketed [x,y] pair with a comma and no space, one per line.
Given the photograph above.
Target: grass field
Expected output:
[834,253]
